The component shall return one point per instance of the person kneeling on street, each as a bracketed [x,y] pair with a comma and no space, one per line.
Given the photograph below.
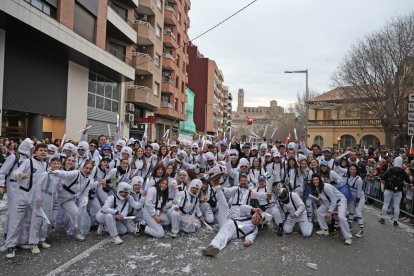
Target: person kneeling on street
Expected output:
[186,214]
[114,213]
[290,204]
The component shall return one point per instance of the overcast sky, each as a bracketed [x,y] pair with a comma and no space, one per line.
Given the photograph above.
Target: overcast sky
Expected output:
[255,47]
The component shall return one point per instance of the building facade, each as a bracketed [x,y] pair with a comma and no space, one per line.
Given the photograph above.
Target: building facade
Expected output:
[64,64]
[143,95]
[265,120]
[336,121]
[174,67]
[206,81]
[228,109]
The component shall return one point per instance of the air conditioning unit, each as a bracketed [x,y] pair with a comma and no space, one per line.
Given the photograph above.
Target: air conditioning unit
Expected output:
[168,31]
[129,117]
[130,107]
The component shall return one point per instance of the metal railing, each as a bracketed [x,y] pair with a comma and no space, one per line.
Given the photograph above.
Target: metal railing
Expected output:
[356,122]
[374,195]
[145,88]
[167,105]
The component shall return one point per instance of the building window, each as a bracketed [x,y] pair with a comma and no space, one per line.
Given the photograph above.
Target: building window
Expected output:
[84,23]
[177,82]
[103,93]
[44,7]
[158,31]
[182,86]
[319,141]
[156,88]
[183,107]
[178,61]
[117,50]
[157,60]
[165,99]
[123,13]
[176,104]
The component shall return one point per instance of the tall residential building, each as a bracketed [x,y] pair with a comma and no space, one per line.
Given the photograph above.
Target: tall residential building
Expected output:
[174,67]
[227,110]
[144,94]
[64,63]
[206,81]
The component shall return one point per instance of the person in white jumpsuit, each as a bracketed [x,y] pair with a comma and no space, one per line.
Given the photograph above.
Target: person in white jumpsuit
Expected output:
[291,205]
[244,227]
[331,200]
[186,215]
[114,213]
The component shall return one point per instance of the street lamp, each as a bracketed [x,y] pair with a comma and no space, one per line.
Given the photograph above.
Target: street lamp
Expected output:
[306,98]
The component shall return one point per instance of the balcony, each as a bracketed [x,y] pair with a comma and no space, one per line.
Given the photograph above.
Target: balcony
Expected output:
[147,7]
[144,64]
[167,110]
[170,18]
[168,62]
[167,86]
[169,39]
[131,3]
[142,96]
[356,122]
[120,24]
[146,33]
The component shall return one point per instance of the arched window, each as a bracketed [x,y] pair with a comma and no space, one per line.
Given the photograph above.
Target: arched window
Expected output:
[347,141]
[369,140]
[319,140]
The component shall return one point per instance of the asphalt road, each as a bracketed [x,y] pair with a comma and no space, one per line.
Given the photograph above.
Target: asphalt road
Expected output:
[384,250]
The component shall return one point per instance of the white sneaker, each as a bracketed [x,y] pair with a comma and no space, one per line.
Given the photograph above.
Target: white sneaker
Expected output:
[80,237]
[45,244]
[360,233]
[35,249]
[100,229]
[323,232]
[348,241]
[117,240]
[173,235]
[10,253]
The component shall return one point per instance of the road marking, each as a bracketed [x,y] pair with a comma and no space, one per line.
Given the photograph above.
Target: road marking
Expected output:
[81,256]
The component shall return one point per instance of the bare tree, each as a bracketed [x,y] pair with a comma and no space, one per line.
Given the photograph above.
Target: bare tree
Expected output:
[299,107]
[369,74]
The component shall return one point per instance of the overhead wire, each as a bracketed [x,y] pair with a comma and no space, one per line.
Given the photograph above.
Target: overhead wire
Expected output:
[207,31]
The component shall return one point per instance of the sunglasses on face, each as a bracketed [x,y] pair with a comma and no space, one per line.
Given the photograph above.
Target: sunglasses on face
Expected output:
[106,150]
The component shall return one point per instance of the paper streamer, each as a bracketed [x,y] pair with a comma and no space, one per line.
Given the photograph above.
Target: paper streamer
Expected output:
[264,133]
[273,134]
[296,136]
[63,140]
[208,226]
[109,131]
[86,128]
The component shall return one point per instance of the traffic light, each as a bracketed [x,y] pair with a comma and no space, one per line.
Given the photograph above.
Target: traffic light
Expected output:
[249,121]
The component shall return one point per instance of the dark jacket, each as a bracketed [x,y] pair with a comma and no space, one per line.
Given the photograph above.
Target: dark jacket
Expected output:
[394,179]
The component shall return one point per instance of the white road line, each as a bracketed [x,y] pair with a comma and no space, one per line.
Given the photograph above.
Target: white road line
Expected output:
[81,256]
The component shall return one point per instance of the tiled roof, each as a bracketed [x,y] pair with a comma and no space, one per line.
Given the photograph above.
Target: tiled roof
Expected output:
[335,95]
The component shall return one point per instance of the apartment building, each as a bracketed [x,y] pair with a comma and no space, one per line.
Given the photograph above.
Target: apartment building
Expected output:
[206,81]
[63,64]
[174,67]
[143,95]
[227,110]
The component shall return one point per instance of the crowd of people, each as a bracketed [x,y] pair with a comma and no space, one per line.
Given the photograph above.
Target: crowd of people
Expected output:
[131,186]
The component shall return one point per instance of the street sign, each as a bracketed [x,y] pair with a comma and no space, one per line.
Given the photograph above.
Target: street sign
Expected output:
[411,116]
[411,97]
[410,127]
[410,106]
